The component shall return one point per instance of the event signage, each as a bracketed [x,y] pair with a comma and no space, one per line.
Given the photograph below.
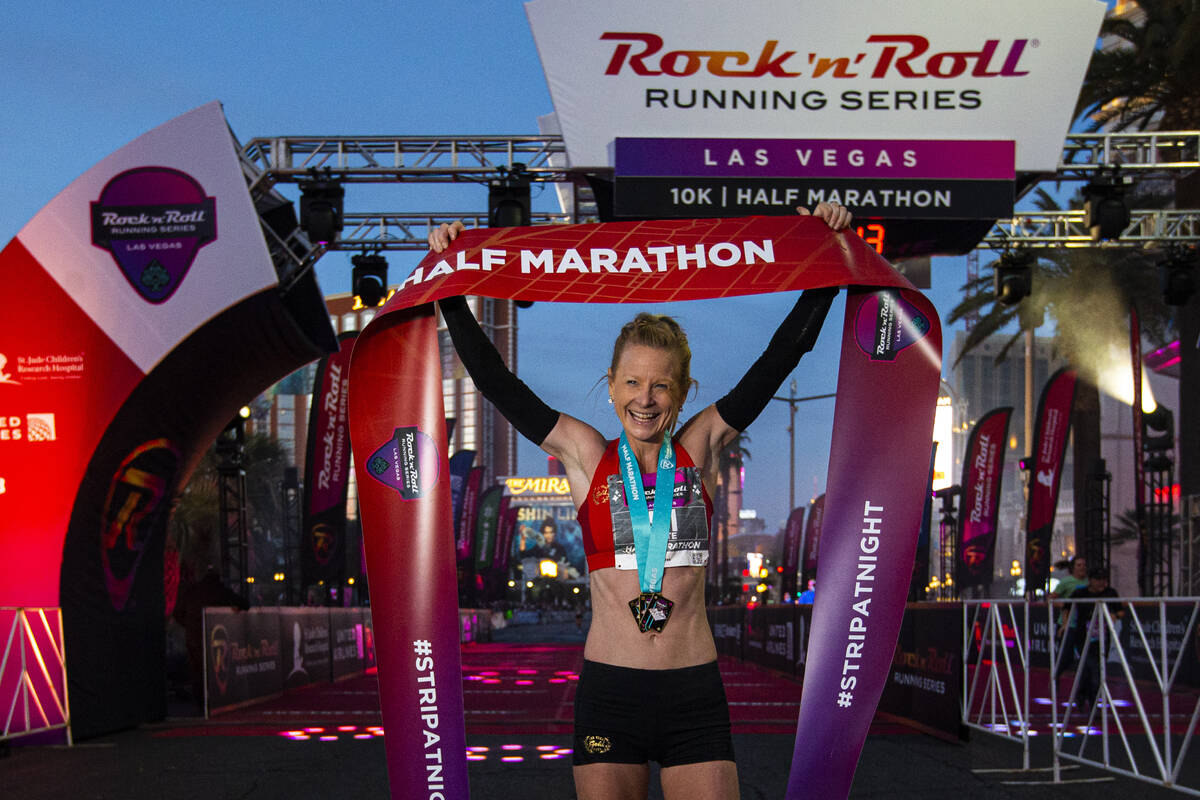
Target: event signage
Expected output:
[141,310]
[812,540]
[915,179]
[1050,446]
[792,533]
[983,468]
[941,69]
[327,470]
[887,390]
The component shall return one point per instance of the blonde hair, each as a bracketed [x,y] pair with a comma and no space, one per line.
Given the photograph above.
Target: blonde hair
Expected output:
[663,333]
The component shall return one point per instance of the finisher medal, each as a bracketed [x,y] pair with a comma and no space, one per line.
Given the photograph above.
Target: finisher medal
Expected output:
[650,533]
[651,610]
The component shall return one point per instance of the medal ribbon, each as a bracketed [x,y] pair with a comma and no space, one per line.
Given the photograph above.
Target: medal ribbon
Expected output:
[650,531]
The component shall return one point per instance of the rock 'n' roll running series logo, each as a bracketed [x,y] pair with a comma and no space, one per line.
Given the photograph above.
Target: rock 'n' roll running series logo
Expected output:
[408,462]
[153,221]
[886,323]
[137,500]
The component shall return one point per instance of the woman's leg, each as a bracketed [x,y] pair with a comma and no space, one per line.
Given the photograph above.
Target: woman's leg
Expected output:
[708,780]
[612,781]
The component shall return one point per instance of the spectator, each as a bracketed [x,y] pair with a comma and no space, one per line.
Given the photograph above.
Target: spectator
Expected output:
[1087,632]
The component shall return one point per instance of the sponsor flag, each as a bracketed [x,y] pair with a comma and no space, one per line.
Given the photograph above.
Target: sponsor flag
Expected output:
[812,540]
[327,470]
[1050,445]
[468,515]
[887,391]
[460,468]
[983,468]
[486,525]
[792,532]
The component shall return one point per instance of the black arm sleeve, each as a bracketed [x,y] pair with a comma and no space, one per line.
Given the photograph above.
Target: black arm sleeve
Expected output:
[532,418]
[794,337]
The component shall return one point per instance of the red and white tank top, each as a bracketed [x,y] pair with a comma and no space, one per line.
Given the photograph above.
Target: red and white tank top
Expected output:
[604,515]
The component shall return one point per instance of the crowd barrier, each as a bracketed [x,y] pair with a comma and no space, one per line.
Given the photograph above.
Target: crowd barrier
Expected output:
[251,655]
[1144,654]
[923,686]
[33,673]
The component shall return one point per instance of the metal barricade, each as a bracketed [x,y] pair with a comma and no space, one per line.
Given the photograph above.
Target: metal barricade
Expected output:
[1132,678]
[33,673]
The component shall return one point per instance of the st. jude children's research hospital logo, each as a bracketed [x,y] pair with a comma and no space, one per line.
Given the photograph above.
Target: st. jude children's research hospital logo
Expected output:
[154,220]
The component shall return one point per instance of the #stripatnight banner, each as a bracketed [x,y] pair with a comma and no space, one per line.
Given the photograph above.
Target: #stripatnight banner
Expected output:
[1050,446]
[883,424]
[983,468]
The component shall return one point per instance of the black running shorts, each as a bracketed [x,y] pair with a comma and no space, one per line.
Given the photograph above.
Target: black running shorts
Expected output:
[633,716]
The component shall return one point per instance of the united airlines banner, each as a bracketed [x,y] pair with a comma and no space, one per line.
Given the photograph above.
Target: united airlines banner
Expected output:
[1050,446]
[327,470]
[887,390]
[939,69]
[983,467]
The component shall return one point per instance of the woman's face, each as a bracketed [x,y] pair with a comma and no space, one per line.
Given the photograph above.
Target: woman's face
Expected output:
[644,390]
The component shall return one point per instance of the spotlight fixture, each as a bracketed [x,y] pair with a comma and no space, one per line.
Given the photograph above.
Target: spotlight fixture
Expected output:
[1161,422]
[508,198]
[1105,214]
[321,208]
[369,278]
[1178,272]
[1013,277]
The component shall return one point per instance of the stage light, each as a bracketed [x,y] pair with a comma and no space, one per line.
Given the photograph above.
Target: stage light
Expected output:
[1178,272]
[369,278]
[321,208]
[1158,437]
[508,198]
[1013,277]
[1104,211]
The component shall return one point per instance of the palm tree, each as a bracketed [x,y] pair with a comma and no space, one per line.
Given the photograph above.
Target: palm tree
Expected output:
[1145,78]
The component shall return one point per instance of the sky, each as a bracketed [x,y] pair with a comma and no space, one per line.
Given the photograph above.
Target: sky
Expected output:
[80,80]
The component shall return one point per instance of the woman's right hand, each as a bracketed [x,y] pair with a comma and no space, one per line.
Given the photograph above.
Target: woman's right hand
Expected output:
[441,236]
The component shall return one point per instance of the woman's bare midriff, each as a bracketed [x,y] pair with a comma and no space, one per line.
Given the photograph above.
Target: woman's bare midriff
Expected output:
[614,638]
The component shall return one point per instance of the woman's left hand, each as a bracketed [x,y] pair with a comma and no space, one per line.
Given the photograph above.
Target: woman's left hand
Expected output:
[836,215]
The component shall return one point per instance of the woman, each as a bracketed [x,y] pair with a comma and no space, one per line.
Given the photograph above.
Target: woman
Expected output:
[649,689]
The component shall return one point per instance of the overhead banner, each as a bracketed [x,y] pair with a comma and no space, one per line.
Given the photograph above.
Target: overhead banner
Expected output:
[1050,446]
[141,309]
[941,69]
[913,179]
[887,390]
[327,470]
[983,468]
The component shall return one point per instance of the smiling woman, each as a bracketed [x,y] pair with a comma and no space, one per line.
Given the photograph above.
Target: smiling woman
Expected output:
[651,565]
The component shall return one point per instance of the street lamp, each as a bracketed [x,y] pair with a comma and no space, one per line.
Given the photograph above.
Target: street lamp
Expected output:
[792,400]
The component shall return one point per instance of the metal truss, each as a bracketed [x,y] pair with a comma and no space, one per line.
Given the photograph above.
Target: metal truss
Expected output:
[268,161]
[438,159]
[1147,227]
[404,231]
[1086,155]
[406,159]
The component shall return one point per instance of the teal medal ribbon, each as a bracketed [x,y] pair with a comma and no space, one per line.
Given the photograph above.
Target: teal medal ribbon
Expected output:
[650,532]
